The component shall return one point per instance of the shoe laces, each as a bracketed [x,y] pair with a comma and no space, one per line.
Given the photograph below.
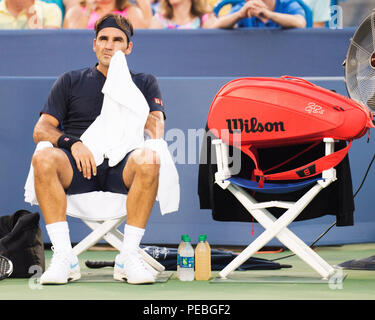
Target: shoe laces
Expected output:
[134,259]
[59,258]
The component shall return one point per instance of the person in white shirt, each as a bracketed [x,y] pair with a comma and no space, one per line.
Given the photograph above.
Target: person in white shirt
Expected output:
[321,12]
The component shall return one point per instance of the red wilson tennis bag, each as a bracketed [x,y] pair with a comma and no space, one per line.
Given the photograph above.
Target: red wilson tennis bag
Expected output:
[251,113]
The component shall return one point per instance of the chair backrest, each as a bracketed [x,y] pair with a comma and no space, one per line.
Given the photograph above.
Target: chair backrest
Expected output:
[306,8]
[223,3]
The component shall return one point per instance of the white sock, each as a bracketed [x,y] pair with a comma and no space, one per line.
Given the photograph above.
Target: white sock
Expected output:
[132,238]
[58,233]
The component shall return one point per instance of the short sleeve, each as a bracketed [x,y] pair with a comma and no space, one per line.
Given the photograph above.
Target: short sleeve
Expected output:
[58,99]
[293,7]
[153,95]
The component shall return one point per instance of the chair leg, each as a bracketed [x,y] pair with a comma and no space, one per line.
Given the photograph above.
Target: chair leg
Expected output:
[115,238]
[95,235]
[151,261]
[295,244]
[277,228]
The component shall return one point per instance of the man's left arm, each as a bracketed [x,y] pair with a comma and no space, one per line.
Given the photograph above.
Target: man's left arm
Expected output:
[154,127]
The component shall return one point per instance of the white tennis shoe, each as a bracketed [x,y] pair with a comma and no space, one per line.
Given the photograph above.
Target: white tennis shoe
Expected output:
[130,267]
[63,267]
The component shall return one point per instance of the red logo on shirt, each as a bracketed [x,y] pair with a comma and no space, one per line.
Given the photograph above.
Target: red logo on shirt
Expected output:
[158,101]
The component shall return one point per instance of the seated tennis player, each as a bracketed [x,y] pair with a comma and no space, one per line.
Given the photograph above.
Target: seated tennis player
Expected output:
[74,103]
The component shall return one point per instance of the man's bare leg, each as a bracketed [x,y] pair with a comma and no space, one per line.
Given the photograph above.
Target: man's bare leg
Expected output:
[52,174]
[141,177]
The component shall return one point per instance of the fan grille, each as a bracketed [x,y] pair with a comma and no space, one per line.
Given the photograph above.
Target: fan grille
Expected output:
[360,62]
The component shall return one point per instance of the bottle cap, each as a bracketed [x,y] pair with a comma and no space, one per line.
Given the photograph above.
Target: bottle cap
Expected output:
[183,236]
[187,238]
[202,238]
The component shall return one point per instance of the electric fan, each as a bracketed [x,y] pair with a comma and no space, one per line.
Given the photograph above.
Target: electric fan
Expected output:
[360,83]
[360,64]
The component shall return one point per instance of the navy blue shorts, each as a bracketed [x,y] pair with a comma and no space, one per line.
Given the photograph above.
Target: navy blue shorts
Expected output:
[107,178]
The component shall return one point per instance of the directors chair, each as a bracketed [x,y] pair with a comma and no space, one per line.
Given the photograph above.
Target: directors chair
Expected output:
[256,114]
[278,228]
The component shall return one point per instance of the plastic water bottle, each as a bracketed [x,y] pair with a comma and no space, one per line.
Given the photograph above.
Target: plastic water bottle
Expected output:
[202,259]
[187,261]
[180,246]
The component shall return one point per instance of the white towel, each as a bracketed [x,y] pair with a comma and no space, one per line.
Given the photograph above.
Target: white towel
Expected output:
[115,132]
[169,188]
[120,126]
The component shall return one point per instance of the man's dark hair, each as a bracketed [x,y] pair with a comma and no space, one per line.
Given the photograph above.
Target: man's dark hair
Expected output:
[121,22]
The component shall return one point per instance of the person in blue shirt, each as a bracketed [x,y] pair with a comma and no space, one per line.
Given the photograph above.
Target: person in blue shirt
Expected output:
[265,13]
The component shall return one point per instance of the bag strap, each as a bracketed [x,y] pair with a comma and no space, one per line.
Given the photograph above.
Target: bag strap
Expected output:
[309,170]
[253,154]
[294,157]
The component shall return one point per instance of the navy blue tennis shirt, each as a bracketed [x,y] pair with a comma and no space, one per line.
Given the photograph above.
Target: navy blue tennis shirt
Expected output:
[76,98]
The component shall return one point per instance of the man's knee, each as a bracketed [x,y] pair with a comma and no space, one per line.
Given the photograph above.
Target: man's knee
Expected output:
[44,160]
[51,160]
[147,164]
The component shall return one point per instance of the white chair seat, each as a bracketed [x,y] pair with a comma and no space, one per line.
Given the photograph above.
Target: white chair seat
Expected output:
[102,212]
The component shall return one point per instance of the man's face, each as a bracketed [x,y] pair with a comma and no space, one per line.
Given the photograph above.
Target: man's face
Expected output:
[107,42]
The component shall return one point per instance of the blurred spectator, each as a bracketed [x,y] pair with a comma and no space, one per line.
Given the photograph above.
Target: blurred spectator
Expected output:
[223,11]
[155,6]
[321,12]
[29,14]
[183,14]
[265,13]
[88,12]
[64,5]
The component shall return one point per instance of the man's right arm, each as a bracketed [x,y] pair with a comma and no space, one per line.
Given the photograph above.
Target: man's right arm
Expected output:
[46,129]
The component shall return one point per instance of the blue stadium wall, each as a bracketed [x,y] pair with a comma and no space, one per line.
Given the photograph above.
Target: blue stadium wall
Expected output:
[191,67]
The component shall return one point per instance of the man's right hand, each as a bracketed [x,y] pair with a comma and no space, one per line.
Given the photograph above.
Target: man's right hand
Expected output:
[84,159]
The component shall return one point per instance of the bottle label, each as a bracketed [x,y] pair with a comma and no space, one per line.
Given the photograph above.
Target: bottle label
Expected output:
[178,258]
[187,262]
